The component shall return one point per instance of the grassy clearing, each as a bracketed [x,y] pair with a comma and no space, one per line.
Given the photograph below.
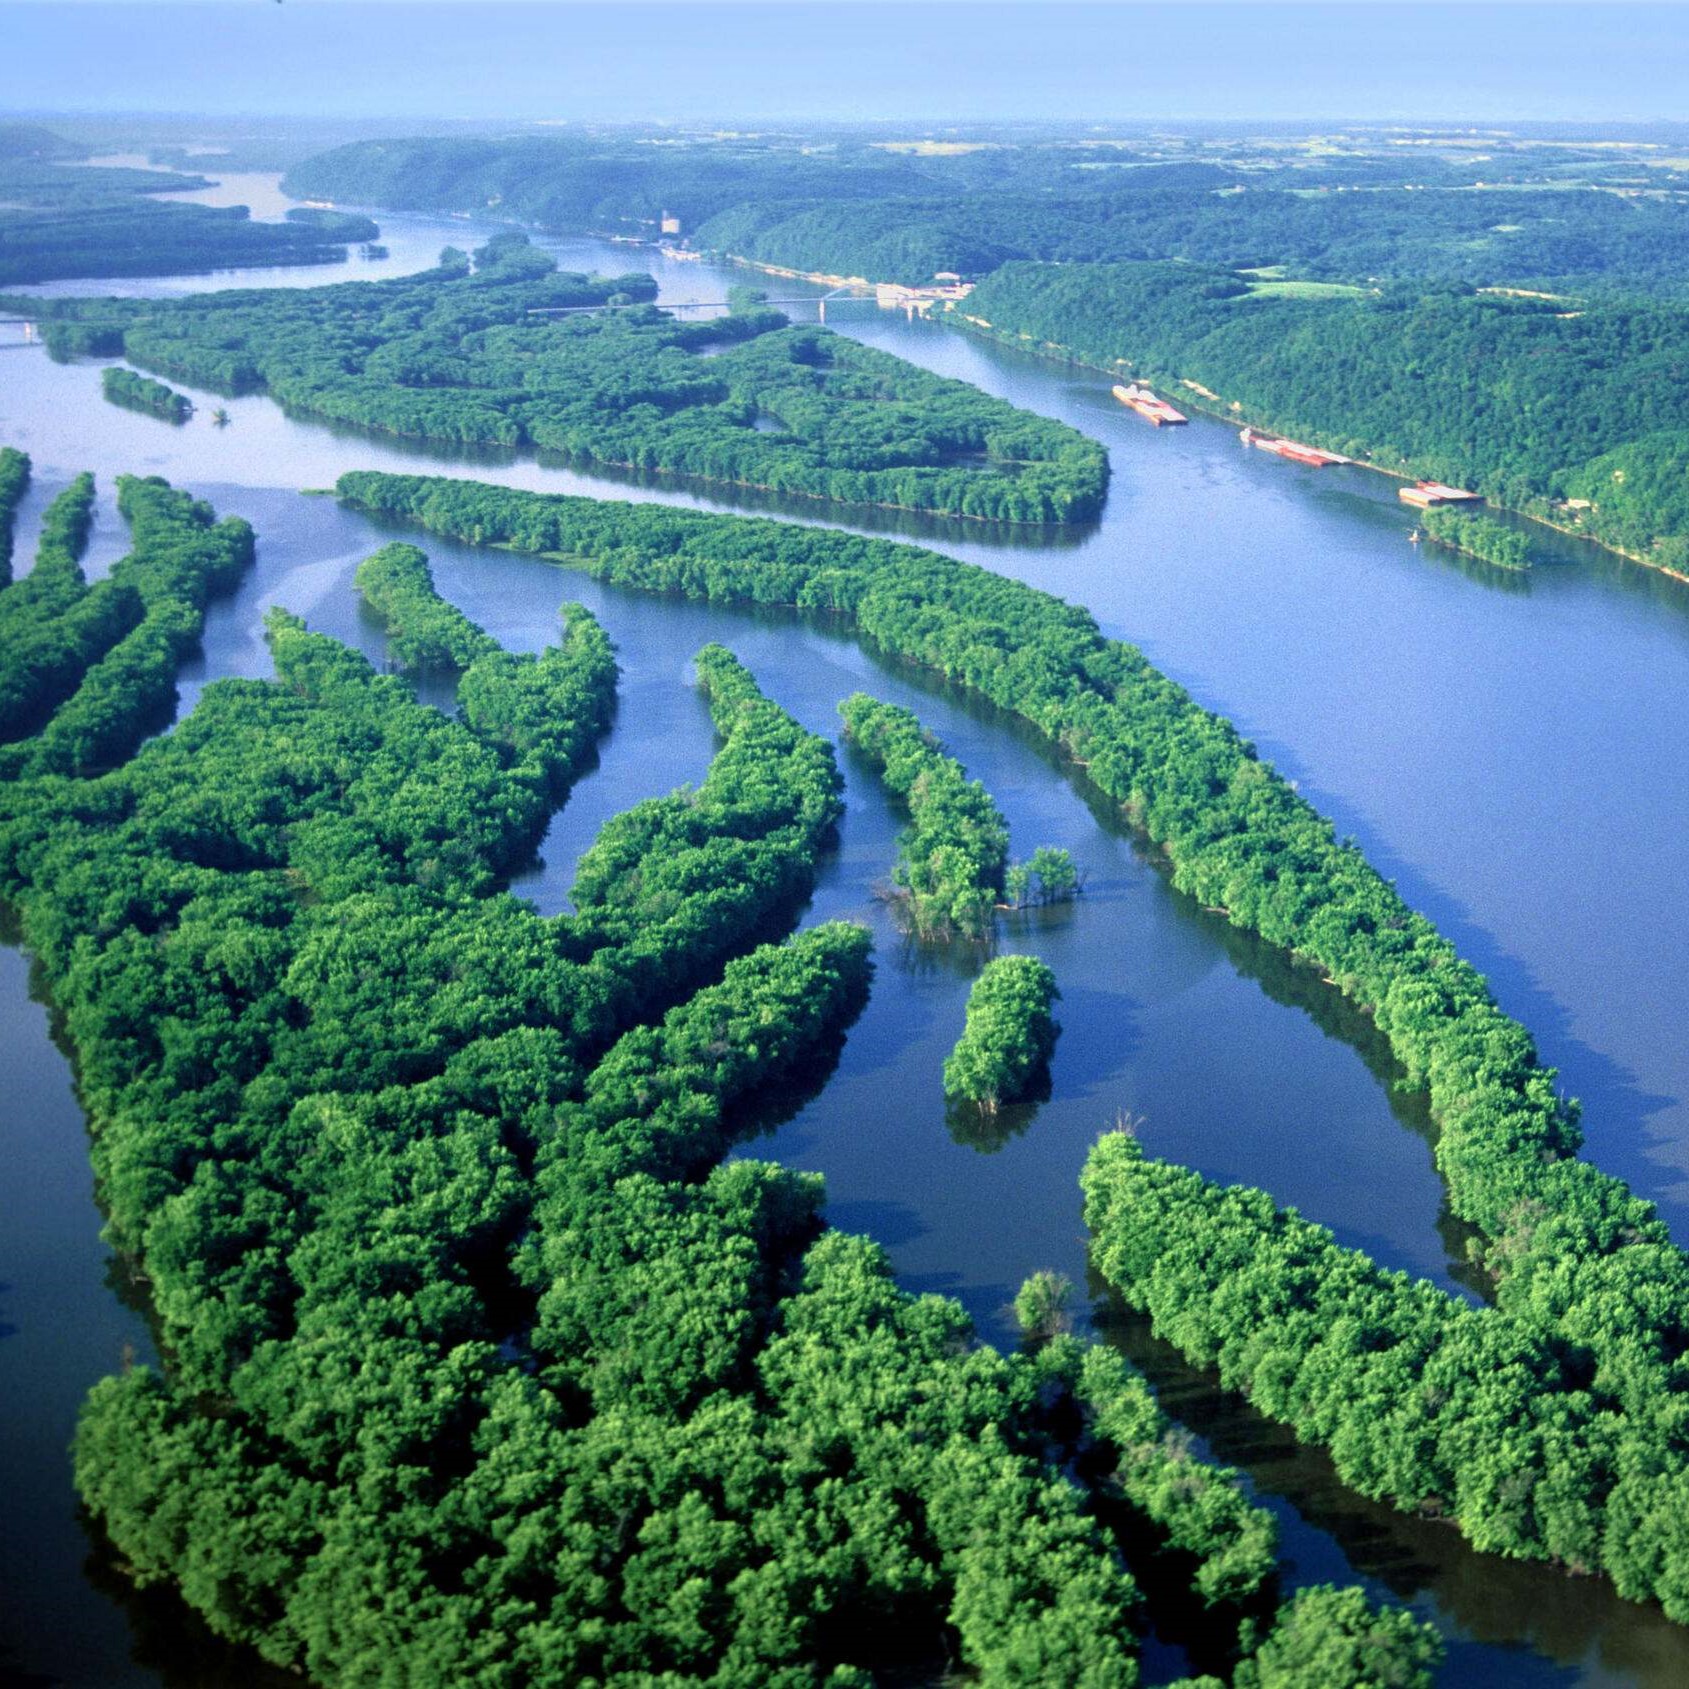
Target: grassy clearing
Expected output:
[1306,290]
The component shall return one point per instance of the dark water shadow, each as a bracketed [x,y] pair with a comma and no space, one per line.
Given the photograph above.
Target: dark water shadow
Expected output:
[1553,1627]
[1606,1090]
[168,1639]
[988,1132]
[893,1225]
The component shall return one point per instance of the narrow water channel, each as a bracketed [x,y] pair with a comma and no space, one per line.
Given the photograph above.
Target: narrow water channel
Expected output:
[1478,735]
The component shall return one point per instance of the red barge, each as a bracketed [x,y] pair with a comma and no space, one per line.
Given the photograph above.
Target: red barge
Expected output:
[1292,449]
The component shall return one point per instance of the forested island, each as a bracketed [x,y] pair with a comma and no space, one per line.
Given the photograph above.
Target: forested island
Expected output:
[461,357]
[61,218]
[90,671]
[135,392]
[1479,536]
[1005,1047]
[953,866]
[1583,1334]
[14,483]
[480,1360]
[954,853]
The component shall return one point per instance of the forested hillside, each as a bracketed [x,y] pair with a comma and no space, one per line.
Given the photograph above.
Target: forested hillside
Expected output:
[1531,401]
[1566,406]
[1571,237]
[480,1364]
[461,357]
[854,204]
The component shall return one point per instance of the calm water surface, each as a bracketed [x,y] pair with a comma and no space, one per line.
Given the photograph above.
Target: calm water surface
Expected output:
[1510,750]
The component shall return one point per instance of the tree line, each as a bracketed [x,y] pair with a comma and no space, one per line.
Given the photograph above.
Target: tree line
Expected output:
[52,626]
[90,671]
[1584,1271]
[61,217]
[461,358]
[137,393]
[480,1365]
[541,714]
[14,483]
[953,863]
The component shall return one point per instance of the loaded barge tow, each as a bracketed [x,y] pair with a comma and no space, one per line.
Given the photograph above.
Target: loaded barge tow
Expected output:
[1427,495]
[1292,449]
[1145,403]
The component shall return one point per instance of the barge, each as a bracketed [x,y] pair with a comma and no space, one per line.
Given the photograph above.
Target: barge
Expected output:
[1426,495]
[1292,449]
[1145,403]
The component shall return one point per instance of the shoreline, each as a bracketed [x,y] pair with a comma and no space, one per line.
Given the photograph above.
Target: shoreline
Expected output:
[1210,404]
[1477,557]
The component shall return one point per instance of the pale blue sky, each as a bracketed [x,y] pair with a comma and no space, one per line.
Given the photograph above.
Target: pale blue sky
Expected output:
[848,59]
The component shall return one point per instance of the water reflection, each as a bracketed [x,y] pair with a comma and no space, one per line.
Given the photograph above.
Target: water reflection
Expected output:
[1537,1625]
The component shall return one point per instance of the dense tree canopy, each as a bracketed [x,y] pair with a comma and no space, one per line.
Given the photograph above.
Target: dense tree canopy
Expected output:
[953,859]
[480,1366]
[1010,1035]
[125,387]
[103,660]
[1335,297]
[58,221]
[1478,536]
[463,359]
[953,855]
[1588,1282]
[51,625]
[1531,401]
[14,483]
[852,203]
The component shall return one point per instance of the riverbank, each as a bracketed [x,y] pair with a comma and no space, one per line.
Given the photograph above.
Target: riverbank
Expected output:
[1476,556]
[1209,403]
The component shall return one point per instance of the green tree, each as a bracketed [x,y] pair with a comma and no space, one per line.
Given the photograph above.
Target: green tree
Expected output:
[1010,1034]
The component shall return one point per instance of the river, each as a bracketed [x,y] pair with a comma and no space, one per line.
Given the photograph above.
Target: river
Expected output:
[1508,748]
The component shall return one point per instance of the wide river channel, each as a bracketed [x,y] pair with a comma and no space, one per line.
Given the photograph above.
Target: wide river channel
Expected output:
[1511,749]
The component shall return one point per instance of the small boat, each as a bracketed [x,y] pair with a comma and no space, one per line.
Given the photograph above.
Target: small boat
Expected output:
[1413,538]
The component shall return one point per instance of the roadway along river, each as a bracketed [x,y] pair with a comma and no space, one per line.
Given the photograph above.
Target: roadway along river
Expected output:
[1510,750]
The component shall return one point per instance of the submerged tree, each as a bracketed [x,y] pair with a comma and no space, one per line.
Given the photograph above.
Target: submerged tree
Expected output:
[1044,1306]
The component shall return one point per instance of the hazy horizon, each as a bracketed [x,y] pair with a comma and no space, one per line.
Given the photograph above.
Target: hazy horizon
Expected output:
[850,61]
